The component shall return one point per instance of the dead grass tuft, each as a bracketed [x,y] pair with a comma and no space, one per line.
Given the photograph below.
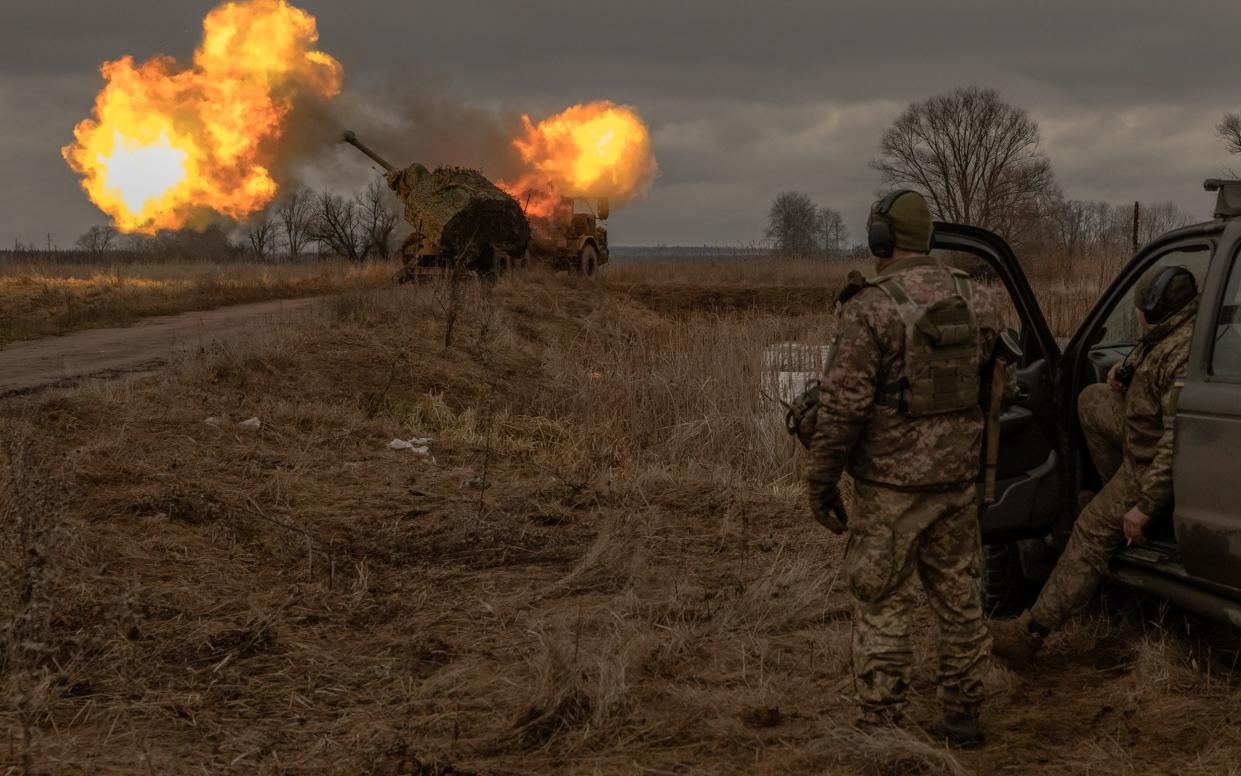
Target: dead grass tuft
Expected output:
[893,752]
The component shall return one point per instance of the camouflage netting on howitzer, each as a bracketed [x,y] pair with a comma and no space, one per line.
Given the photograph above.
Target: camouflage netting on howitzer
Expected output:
[458,212]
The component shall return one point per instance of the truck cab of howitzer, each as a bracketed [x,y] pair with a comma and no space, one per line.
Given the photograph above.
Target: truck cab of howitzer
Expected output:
[1193,557]
[573,238]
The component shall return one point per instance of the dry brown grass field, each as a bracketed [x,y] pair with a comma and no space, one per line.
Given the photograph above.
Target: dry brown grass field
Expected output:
[602,565]
[40,299]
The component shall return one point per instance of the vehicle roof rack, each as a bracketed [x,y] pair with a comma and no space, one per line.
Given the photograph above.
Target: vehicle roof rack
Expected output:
[1228,204]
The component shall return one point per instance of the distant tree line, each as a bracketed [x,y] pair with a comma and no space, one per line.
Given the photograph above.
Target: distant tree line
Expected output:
[979,161]
[302,224]
[796,226]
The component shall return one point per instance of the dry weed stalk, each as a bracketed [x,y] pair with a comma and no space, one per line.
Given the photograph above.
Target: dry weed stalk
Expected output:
[450,285]
[486,312]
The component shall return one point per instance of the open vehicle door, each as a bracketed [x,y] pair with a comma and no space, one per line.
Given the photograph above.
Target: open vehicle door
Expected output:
[1028,494]
[1111,330]
[1193,556]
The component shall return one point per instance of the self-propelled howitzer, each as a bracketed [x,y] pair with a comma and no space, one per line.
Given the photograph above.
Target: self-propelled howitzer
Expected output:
[459,217]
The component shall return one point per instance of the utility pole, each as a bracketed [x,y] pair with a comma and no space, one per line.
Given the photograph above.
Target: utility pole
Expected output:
[1137,222]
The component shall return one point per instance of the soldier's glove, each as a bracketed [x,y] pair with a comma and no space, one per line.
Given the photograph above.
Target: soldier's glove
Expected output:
[829,510]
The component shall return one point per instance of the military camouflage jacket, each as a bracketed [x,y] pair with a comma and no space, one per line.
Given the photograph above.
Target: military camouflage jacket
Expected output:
[872,440]
[1150,408]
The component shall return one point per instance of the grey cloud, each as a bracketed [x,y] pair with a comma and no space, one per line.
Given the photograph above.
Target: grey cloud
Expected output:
[745,99]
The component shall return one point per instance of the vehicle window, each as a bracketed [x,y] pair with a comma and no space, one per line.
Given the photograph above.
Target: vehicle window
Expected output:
[1122,327]
[1226,356]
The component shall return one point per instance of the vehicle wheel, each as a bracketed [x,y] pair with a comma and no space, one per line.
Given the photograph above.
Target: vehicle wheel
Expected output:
[588,262]
[503,264]
[1005,589]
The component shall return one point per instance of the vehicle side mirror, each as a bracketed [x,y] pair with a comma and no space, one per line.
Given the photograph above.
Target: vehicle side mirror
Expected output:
[604,208]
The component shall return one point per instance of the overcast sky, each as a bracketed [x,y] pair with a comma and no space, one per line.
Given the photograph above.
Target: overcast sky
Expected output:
[744,99]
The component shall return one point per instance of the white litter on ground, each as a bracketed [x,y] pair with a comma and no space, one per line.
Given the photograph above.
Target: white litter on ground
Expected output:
[251,423]
[788,366]
[416,446]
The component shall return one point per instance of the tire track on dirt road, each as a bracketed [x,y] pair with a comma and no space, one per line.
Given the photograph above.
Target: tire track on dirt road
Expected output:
[65,361]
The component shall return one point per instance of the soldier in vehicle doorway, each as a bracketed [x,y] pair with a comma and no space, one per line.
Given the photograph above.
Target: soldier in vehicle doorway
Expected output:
[1128,425]
[899,408]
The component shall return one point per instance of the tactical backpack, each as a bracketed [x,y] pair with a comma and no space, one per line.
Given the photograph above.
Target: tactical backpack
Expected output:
[941,372]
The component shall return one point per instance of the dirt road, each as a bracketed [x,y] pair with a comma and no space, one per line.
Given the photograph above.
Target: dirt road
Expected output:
[106,353]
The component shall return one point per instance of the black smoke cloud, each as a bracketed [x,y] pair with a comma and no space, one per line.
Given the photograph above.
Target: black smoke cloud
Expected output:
[405,121]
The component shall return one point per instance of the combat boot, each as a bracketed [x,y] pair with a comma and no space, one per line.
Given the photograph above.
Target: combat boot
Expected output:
[1014,642]
[960,729]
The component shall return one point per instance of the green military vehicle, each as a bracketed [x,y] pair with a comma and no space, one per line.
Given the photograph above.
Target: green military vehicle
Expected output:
[1193,557]
[573,238]
[459,218]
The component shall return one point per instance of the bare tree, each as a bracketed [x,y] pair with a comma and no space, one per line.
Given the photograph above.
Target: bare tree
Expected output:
[1229,130]
[377,218]
[834,233]
[262,234]
[296,216]
[338,226]
[793,224]
[1159,218]
[975,156]
[97,240]
[1074,229]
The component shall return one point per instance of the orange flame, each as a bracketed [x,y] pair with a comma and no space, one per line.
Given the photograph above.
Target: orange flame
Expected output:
[594,150]
[169,145]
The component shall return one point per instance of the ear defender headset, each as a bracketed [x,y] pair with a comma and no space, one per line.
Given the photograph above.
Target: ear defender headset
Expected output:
[1158,305]
[879,233]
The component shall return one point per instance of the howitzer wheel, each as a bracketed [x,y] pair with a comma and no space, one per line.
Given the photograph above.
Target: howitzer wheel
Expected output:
[503,264]
[588,262]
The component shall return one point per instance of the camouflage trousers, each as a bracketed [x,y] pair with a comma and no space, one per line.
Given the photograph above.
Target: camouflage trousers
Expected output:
[896,539]
[1102,414]
[1099,530]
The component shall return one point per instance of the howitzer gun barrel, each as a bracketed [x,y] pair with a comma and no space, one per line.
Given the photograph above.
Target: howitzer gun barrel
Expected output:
[352,139]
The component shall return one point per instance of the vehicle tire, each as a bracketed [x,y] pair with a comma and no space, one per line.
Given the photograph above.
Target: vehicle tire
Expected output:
[588,262]
[502,265]
[1005,589]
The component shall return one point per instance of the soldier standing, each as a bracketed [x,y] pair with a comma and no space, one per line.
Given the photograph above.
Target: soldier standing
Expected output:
[1128,425]
[899,409]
